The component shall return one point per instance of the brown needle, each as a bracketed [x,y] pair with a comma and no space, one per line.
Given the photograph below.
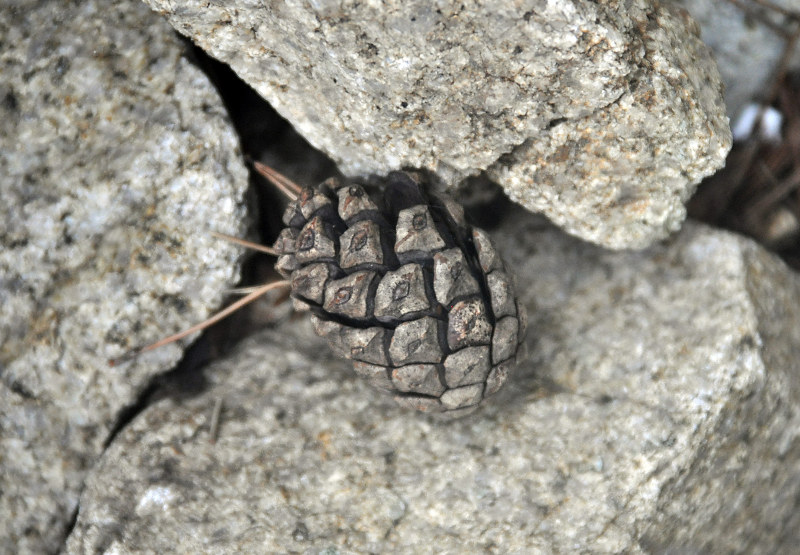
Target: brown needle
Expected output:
[260,291]
[244,243]
[286,185]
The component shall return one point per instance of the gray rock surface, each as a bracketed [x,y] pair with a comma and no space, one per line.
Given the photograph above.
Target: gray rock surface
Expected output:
[746,48]
[116,160]
[602,116]
[658,408]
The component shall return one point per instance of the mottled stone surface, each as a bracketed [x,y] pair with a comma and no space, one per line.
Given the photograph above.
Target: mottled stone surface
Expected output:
[658,408]
[621,176]
[746,48]
[601,115]
[116,161]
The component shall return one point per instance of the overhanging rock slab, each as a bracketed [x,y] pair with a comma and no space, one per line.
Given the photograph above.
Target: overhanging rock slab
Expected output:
[658,408]
[603,116]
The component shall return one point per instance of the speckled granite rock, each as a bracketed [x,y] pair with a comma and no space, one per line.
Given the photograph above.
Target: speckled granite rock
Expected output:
[116,159]
[745,48]
[659,407]
[602,116]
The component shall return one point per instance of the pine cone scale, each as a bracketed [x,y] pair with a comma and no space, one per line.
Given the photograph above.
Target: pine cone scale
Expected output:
[420,301]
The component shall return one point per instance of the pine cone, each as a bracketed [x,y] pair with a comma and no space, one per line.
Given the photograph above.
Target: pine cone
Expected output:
[402,285]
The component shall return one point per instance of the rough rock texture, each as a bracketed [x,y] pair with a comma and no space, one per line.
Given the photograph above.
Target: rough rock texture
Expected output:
[659,408]
[746,49]
[603,116]
[116,159]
